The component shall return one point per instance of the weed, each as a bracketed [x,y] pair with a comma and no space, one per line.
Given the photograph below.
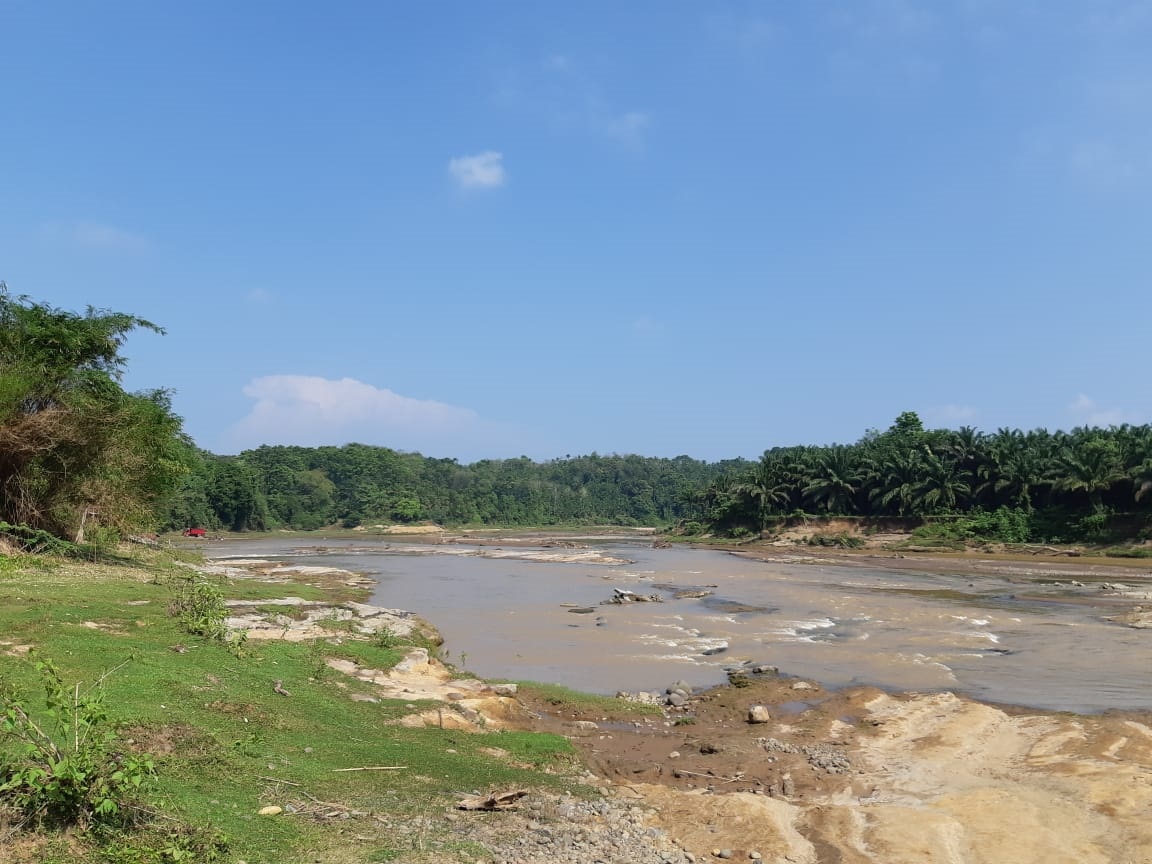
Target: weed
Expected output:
[1128,552]
[839,541]
[739,679]
[198,604]
[385,637]
[67,771]
[318,659]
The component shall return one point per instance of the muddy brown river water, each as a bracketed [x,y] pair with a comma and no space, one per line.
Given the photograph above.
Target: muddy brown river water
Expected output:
[1029,642]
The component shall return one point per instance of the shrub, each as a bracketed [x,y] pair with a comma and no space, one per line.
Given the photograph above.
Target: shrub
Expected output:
[65,770]
[198,604]
[839,541]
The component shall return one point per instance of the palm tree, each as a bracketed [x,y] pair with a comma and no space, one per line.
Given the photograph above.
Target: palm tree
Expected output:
[1017,463]
[894,482]
[833,479]
[943,485]
[767,486]
[1093,467]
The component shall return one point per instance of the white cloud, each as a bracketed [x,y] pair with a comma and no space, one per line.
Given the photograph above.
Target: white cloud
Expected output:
[951,415]
[645,326]
[1088,413]
[628,128]
[310,411]
[563,91]
[93,236]
[481,171]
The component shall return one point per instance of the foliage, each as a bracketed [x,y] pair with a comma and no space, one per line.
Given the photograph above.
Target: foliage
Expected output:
[198,604]
[75,448]
[66,770]
[358,485]
[838,541]
[386,638]
[188,708]
[36,541]
[1009,486]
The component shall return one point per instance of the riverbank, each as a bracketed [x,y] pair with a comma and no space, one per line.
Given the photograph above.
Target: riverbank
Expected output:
[326,747]
[328,687]
[860,775]
[780,768]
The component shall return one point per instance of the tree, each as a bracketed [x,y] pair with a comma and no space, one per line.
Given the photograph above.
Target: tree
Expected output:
[76,448]
[1091,466]
[833,479]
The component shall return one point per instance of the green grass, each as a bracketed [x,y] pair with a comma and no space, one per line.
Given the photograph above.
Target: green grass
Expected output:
[1127,552]
[224,740]
[561,699]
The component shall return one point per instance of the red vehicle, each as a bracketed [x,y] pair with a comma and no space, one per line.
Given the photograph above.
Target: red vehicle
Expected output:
[195,532]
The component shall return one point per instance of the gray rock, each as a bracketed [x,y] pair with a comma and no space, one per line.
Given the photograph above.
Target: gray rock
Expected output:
[758,714]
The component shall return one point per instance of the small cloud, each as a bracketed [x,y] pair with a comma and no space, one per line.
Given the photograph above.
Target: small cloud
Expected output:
[950,415]
[752,40]
[562,91]
[627,128]
[260,296]
[310,411]
[1088,413]
[481,171]
[645,326]
[94,236]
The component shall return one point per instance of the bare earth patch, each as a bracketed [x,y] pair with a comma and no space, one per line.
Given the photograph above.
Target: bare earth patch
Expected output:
[862,776]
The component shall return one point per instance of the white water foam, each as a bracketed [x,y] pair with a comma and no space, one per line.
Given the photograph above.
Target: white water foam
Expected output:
[797,631]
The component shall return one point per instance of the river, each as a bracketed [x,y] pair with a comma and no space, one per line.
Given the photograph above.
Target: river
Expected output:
[1040,646]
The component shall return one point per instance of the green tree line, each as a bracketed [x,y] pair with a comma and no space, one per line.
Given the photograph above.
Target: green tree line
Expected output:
[311,487]
[1038,485]
[79,453]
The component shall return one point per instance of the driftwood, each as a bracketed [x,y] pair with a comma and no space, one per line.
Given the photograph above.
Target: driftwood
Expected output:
[493,801]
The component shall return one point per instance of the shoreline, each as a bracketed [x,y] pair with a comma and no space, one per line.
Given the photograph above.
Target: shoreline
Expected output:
[855,774]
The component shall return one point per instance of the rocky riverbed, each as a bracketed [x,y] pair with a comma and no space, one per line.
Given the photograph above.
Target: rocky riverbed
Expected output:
[776,768]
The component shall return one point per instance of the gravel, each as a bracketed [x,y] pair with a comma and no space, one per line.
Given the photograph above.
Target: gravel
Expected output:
[558,829]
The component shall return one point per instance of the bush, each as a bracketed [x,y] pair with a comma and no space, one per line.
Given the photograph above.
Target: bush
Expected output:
[1003,525]
[65,770]
[198,604]
[838,541]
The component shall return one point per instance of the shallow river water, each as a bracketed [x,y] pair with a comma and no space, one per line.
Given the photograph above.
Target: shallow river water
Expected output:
[506,618]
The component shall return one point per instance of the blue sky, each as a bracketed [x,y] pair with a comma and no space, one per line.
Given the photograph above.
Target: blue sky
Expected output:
[484,230]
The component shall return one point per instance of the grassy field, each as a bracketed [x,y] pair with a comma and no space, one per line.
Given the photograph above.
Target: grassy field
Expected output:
[226,744]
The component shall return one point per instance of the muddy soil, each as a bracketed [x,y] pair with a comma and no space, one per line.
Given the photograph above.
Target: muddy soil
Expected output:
[860,775]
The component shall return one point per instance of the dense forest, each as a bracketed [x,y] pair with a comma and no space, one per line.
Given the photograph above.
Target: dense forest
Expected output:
[305,488]
[80,455]
[1008,485]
